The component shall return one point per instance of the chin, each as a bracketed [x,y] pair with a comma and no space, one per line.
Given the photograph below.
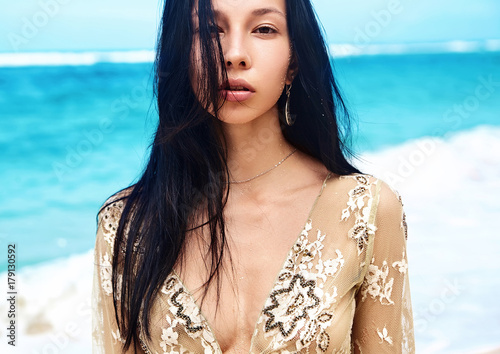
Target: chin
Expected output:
[244,114]
[234,120]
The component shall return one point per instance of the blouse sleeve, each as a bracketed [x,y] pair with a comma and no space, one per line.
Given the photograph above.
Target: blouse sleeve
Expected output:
[106,336]
[383,322]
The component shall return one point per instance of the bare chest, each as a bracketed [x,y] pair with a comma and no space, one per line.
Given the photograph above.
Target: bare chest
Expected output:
[259,240]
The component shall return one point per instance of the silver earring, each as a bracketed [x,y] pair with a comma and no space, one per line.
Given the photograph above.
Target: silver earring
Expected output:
[288,116]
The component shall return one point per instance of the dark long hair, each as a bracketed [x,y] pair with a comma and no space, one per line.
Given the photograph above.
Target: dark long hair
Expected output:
[187,169]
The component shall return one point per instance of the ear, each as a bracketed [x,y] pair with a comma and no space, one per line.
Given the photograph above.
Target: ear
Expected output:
[293,69]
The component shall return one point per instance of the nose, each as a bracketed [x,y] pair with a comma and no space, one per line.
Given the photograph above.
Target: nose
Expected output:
[236,52]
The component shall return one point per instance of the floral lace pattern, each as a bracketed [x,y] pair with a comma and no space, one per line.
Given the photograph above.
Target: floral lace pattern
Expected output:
[360,203]
[401,266]
[377,284]
[384,336]
[185,316]
[299,303]
[108,224]
[327,283]
[109,221]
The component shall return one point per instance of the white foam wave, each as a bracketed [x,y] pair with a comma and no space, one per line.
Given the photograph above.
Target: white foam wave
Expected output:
[347,50]
[83,58]
[450,191]
[53,305]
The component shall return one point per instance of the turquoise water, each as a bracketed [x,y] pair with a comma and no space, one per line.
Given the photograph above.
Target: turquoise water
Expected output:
[72,135]
[398,98]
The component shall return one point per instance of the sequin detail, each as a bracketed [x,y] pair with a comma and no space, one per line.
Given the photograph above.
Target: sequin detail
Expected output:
[297,310]
[299,305]
[188,322]
[404,225]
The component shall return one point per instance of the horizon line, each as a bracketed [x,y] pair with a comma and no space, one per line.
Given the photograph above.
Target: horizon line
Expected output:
[92,57]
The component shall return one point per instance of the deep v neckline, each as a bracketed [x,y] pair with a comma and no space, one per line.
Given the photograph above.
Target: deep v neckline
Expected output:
[192,299]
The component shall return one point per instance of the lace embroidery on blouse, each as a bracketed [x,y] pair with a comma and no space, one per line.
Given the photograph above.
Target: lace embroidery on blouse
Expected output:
[377,284]
[384,336]
[360,204]
[108,222]
[401,266]
[298,304]
[186,314]
[302,305]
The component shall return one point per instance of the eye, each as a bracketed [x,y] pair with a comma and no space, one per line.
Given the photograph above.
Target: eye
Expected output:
[266,30]
[216,30]
[213,30]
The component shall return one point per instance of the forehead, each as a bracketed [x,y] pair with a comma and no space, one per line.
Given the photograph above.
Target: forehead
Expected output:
[241,8]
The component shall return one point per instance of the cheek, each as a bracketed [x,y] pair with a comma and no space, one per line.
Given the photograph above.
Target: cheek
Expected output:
[276,75]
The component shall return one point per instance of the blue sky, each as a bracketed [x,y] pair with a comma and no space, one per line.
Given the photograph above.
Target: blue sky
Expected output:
[69,25]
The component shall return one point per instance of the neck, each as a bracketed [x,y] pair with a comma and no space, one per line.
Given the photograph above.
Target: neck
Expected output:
[255,147]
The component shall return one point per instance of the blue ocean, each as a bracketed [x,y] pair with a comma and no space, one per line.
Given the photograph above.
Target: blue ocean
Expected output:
[72,135]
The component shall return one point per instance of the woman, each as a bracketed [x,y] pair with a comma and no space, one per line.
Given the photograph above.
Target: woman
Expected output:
[249,230]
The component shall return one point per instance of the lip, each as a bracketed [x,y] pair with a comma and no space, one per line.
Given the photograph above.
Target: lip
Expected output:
[236,96]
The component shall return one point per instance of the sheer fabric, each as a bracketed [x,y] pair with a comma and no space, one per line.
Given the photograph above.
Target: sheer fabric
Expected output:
[343,287]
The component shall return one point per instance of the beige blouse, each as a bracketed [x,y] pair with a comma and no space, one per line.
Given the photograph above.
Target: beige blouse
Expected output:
[343,287]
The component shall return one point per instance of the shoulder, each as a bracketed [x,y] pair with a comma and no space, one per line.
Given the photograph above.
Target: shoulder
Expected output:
[376,210]
[390,201]
[367,192]
[108,220]
[366,185]
[384,205]
[111,210]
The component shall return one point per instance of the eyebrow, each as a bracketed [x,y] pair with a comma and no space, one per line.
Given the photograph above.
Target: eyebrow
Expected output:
[267,10]
[257,12]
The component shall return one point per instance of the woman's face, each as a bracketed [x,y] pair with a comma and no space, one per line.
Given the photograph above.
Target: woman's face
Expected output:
[256,47]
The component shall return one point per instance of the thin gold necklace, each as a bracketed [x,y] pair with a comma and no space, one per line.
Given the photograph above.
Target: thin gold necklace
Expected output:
[263,173]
